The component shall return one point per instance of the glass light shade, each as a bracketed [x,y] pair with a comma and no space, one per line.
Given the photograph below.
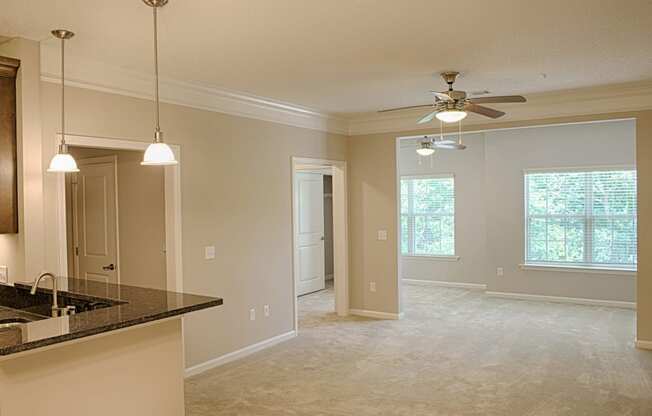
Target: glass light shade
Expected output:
[425,151]
[159,154]
[63,162]
[451,116]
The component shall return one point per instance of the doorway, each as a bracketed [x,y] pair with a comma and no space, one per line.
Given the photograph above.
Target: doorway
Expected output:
[320,239]
[115,213]
[93,152]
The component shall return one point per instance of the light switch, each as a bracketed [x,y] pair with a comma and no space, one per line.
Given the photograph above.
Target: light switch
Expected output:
[382,235]
[209,252]
[500,271]
[4,274]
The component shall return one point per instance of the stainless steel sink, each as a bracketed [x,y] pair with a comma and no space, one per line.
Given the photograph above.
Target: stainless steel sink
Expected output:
[12,323]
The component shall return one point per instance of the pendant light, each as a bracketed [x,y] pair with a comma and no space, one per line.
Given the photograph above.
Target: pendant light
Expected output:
[63,161]
[426,147]
[157,153]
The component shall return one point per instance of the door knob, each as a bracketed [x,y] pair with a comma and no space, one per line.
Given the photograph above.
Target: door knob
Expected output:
[109,267]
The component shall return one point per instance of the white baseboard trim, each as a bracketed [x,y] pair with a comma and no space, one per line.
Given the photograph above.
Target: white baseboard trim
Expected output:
[563,299]
[643,345]
[376,314]
[236,355]
[471,286]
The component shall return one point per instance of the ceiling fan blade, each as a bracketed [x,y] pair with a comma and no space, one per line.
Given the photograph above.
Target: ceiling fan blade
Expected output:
[482,110]
[499,99]
[404,108]
[427,118]
[441,96]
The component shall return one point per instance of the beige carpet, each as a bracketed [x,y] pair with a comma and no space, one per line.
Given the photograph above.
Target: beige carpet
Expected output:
[457,352]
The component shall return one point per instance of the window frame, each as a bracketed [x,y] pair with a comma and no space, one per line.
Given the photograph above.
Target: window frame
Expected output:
[431,257]
[588,243]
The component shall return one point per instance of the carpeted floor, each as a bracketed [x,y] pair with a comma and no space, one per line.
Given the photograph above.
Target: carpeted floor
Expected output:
[456,352]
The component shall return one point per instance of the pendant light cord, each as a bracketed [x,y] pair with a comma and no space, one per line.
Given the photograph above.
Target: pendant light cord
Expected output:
[158,127]
[63,89]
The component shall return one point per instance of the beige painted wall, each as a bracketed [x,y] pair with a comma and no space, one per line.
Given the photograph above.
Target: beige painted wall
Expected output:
[236,195]
[24,253]
[141,218]
[134,372]
[373,207]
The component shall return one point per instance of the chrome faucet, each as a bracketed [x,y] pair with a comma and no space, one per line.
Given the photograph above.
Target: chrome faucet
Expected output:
[56,310]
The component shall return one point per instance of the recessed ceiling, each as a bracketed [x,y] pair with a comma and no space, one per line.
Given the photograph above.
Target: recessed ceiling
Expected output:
[351,56]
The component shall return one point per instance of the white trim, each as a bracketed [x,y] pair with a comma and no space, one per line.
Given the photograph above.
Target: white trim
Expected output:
[643,345]
[100,76]
[430,258]
[340,232]
[578,269]
[563,299]
[376,314]
[172,204]
[614,98]
[460,285]
[587,168]
[238,354]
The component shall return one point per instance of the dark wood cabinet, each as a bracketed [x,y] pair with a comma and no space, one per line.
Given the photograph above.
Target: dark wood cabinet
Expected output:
[8,147]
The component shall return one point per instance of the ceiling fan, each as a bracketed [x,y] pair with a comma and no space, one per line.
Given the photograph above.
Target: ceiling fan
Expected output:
[452,106]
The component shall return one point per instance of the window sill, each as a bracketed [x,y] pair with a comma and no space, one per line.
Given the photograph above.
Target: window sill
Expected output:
[432,258]
[578,269]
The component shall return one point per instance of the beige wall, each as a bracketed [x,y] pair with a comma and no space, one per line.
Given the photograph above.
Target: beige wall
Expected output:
[141,218]
[373,207]
[24,253]
[236,195]
[134,372]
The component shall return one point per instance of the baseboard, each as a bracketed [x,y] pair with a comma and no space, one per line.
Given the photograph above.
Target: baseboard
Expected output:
[376,314]
[643,345]
[236,355]
[563,299]
[471,286]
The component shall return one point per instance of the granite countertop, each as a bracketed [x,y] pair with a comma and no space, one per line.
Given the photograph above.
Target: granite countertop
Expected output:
[130,305]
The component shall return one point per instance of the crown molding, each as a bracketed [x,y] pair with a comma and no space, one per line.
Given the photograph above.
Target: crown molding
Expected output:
[614,98]
[98,76]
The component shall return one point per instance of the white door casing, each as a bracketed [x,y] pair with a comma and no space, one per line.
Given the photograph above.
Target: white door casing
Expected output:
[95,217]
[310,232]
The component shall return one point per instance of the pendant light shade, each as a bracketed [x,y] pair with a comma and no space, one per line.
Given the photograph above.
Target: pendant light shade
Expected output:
[157,153]
[426,147]
[63,161]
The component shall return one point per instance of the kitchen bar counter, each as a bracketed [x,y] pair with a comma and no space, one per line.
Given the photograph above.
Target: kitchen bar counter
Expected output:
[130,306]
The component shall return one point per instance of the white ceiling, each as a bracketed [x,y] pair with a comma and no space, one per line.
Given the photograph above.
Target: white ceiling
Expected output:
[352,56]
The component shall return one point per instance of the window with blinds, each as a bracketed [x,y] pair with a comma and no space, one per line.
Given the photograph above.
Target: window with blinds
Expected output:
[428,216]
[583,218]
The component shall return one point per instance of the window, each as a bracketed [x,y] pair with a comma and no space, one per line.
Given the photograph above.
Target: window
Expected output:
[583,218]
[428,216]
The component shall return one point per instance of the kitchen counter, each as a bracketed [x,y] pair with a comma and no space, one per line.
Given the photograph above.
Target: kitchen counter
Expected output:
[130,306]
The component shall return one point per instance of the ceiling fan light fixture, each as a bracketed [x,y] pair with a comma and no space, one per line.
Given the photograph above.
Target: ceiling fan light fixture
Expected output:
[425,148]
[451,116]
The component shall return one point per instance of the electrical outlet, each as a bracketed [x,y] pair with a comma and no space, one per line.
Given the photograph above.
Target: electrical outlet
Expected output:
[499,271]
[266,310]
[209,252]
[372,286]
[382,235]
[4,274]
[252,314]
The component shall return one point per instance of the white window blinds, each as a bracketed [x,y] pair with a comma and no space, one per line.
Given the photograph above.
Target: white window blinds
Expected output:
[428,216]
[581,218]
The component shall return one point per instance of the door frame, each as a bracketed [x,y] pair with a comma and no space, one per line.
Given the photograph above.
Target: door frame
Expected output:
[173,257]
[340,232]
[113,159]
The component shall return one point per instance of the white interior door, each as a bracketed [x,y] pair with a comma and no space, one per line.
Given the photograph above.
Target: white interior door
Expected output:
[96,220]
[310,232]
